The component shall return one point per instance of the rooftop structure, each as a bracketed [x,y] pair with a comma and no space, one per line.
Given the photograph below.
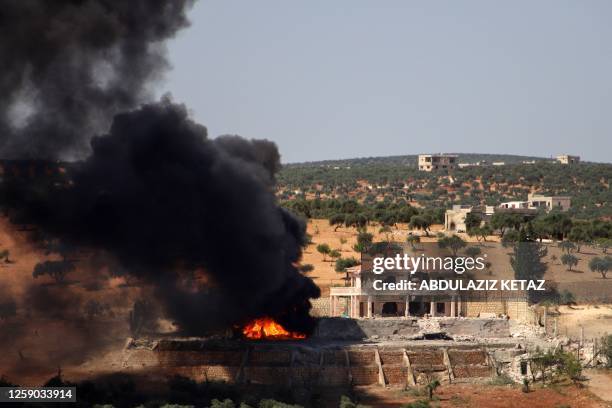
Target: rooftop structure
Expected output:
[433,162]
[537,201]
[568,159]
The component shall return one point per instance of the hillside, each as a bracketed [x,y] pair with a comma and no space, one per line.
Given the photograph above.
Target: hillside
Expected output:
[392,179]
[411,160]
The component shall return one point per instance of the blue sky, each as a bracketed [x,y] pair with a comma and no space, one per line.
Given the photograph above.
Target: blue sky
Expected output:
[350,78]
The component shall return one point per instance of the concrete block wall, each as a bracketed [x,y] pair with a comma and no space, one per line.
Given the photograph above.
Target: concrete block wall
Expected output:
[291,365]
[515,309]
[474,309]
[320,307]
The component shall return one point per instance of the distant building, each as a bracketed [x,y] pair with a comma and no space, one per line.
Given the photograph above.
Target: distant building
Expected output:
[357,300]
[550,202]
[433,162]
[454,219]
[476,164]
[538,201]
[567,159]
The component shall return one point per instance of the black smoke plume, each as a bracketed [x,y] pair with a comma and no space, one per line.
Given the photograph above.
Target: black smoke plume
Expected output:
[155,193]
[68,66]
[164,199]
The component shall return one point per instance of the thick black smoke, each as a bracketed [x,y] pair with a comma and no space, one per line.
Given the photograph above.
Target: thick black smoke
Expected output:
[164,199]
[68,66]
[155,193]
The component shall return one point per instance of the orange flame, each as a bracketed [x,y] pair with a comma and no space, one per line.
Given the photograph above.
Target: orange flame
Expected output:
[267,328]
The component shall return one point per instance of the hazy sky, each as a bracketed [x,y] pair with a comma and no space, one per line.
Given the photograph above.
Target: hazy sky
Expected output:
[329,79]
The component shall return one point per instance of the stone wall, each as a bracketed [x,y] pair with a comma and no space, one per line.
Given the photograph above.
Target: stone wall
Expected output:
[401,328]
[292,364]
[515,308]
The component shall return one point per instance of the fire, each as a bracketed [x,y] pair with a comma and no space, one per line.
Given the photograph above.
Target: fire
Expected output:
[267,328]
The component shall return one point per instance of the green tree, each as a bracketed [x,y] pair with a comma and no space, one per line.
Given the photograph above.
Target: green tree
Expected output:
[567,298]
[600,265]
[502,221]
[569,260]
[472,221]
[473,251]
[334,254]
[580,235]
[386,230]
[431,387]
[342,264]
[480,233]
[324,250]
[421,222]
[604,244]
[413,240]
[356,220]
[526,259]
[510,238]
[364,241]
[454,243]
[567,246]
[337,220]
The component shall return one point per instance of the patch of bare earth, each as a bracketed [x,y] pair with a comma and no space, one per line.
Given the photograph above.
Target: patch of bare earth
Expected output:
[485,396]
[600,383]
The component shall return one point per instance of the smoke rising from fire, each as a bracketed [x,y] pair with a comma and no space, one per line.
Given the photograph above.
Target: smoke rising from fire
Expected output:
[155,193]
[164,199]
[69,65]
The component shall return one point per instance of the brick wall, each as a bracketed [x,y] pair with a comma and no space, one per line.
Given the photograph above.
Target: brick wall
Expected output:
[361,358]
[395,374]
[426,357]
[333,357]
[461,357]
[196,358]
[272,365]
[472,371]
[364,375]
[333,375]
[391,356]
[268,375]
[267,358]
